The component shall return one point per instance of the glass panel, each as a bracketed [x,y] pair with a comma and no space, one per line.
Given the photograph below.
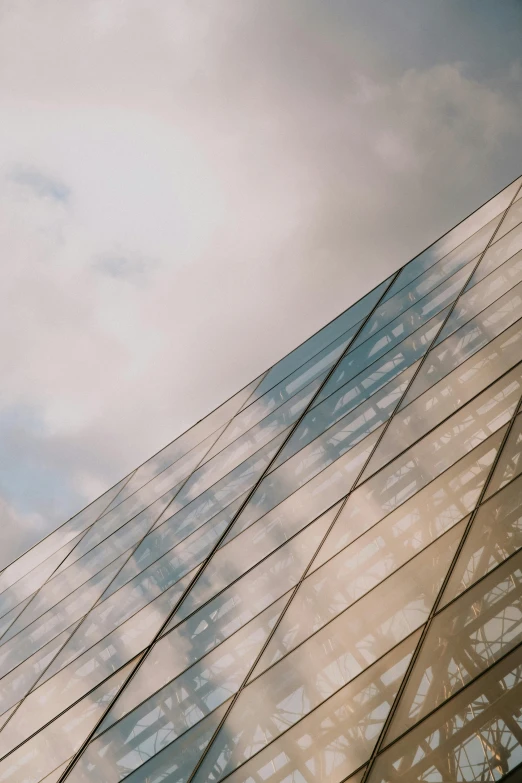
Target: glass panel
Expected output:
[271,425]
[466,428]
[152,498]
[206,429]
[474,737]
[483,294]
[58,539]
[110,614]
[420,287]
[36,635]
[451,241]
[331,445]
[240,450]
[495,535]
[454,493]
[322,338]
[347,577]
[79,572]
[445,397]
[359,358]
[328,660]
[63,584]
[274,528]
[312,498]
[174,763]
[184,701]
[62,738]
[314,370]
[224,615]
[230,487]
[15,685]
[497,255]
[314,609]
[465,639]
[31,582]
[360,388]
[170,538]
[338,736]
[466,341]
[509,465]
[174,475]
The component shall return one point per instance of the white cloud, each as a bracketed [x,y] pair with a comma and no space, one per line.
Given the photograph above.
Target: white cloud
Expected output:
[186,193]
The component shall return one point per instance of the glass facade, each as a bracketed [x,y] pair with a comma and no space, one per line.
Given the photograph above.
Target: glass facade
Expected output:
[321,581]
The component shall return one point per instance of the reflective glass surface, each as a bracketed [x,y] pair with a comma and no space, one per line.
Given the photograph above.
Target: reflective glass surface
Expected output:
[318,582]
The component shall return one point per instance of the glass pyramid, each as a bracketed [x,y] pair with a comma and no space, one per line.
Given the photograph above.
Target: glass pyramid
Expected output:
[318,582]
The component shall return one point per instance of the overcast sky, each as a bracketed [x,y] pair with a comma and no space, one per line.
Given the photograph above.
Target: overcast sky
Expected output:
[190,189]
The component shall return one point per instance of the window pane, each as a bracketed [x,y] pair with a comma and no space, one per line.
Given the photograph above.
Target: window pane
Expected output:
[31,582]
[442,502]
[497,255]
[447,396]
[83,569]
[15,685]
[60,740]
[228,489]
[182,703]
[110,614]
[513,217]
[474,737]
[489,213]
[324,337]
[340,735]
[351,574]
[464,639]
[207,429]
[509,465]
[466,428]
[271,425]
[483,294]
[353,393]
[53,622]
[328,660]
[331,445]
[495,535]
[58,539]
[242,552]
[466,341]
[174,763]
[359,358]
[222,616]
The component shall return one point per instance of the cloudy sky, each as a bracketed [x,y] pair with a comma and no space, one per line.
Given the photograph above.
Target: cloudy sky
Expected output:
[190,189]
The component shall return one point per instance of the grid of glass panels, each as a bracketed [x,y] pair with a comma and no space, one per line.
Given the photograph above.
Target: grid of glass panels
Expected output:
[319,581]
